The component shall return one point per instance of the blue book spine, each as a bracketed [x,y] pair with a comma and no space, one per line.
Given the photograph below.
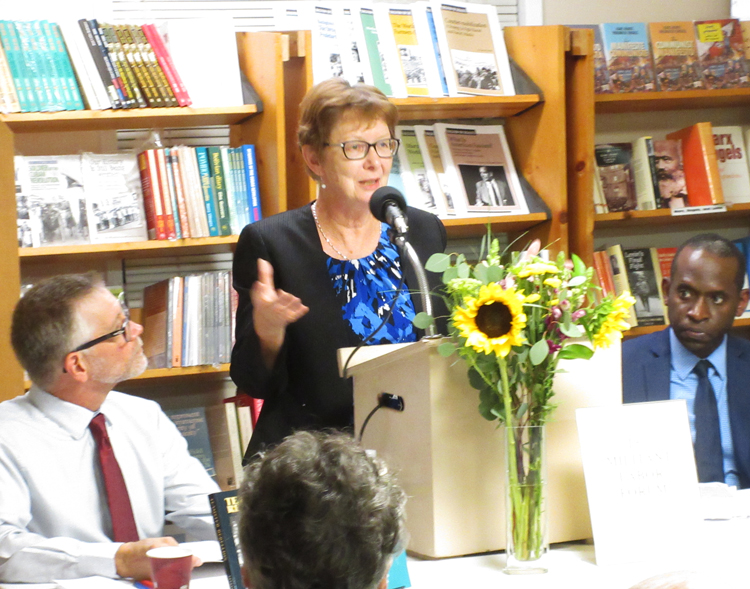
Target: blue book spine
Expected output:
[251,178]
[436,49]
[209,199]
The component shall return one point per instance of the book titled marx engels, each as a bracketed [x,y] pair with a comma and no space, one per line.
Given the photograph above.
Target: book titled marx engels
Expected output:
[628,54]
[675,56]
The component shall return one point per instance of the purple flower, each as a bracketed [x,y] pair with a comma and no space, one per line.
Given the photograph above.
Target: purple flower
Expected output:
[578,314]
[553,347]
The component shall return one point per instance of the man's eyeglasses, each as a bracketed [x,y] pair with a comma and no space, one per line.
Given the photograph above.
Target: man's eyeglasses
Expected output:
[125,330]
[358,150]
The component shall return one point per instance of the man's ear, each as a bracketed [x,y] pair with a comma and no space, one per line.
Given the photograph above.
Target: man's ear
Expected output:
[744,295]
[383,582]
[246,578]
[75,366]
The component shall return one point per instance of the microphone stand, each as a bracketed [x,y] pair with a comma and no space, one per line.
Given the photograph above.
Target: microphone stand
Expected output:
[399,239]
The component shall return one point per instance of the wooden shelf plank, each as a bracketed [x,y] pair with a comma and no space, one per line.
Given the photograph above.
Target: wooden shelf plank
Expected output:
[131,249]
[141,118]
[678,100]
[204,370]
[463,107]
[665,217]
[473,226]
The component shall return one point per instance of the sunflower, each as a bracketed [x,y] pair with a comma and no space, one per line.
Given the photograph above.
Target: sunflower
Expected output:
[493,322]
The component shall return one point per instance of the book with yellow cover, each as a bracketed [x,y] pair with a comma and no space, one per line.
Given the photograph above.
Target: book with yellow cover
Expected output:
[675,56]
[721,53]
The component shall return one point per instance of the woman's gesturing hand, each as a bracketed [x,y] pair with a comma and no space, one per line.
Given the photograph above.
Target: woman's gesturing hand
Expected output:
[273,310]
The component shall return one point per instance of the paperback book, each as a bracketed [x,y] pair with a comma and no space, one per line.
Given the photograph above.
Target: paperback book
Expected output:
[721,53]
[628,54]
[614,162]
[675,56]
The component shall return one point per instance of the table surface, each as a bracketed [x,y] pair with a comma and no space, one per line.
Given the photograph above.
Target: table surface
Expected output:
[719,561]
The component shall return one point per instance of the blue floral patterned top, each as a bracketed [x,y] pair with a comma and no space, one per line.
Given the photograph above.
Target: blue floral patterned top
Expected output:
[368,287]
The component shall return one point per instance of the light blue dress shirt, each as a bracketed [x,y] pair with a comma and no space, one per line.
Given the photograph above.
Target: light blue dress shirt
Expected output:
[683,383]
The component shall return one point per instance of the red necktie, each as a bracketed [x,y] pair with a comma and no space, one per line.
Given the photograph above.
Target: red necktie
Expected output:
[123,522]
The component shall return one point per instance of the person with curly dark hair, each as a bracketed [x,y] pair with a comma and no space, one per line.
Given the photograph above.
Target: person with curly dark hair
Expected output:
[317,512]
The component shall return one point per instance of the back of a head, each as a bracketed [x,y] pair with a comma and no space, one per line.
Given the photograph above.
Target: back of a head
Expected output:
[318,513]
[44,323]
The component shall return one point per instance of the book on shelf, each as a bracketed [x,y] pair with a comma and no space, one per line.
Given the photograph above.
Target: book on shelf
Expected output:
[184,158]
[207,187]
[644,174]
[90,82]
[671,186]
[424,21]
[227,458]
[700,164]
[614,162]
[438,179]
[251,179]
[600,202]
[226,513]
[604,276]
[665,255]
[628,54]
[644,278]
[8,95]
[171,222]
[418,192]
[156,320]
[721,53]
[620,277]
[354,61]
[159,65]
[121,64]
[601,73]
[480,169]
[472,46]
[152,198]
[745,28]
[22,82]
[675,56]
[171,161]
[412,58]
[368,40]
[327,43]
[50,200]
[219,181]
[176,314]
[36,67]
[193,425]
[106,75]
[731,155]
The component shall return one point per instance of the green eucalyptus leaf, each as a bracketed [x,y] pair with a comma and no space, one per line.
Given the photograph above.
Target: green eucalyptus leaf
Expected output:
[423,320]
[572,330]
[438,262]
[480,273]
[450,273]
[487,403]
[539,352]
[446,349]
[522,410]
[576,351]
[464,270]
[494,274]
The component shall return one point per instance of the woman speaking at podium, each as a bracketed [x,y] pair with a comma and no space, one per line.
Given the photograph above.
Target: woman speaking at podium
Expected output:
[321,277]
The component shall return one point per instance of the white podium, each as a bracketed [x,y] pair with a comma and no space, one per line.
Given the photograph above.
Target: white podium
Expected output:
[451,461]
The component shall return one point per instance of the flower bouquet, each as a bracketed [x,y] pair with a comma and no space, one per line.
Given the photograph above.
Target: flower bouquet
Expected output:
[514,316]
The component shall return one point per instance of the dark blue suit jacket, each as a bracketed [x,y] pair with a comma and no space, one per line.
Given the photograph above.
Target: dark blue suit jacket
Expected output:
[645,377]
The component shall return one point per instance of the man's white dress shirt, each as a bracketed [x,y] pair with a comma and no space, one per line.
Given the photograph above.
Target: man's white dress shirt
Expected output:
[54,519]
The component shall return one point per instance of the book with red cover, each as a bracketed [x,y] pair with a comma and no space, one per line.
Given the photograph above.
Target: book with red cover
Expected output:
[665,256]
[166,194]
[702,175]
[604,274]
[166,63]
[721,52]
[151,195]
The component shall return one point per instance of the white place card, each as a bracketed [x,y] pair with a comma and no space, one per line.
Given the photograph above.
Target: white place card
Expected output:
[641,481]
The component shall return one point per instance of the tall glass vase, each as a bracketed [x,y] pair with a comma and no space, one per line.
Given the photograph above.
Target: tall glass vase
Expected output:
[526,489]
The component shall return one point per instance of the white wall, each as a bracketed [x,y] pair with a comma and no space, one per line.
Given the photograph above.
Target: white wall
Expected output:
[561,12]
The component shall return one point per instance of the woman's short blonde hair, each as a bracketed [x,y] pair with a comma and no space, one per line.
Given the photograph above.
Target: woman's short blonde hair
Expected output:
[327,102]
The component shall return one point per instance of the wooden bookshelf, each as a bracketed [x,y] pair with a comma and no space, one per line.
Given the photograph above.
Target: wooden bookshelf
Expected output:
[269,55]
[678,100]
